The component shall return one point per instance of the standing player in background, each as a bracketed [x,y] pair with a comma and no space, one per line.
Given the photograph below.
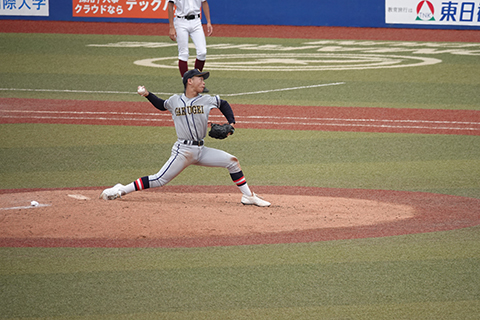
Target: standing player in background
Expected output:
[190,112]
[188,23]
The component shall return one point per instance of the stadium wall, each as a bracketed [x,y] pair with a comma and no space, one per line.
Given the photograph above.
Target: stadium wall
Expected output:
[340,13]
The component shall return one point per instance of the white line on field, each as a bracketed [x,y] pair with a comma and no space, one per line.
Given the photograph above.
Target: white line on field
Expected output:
[169,93]
[167,116]
[76,91]
[368,120]
[365,125]
[27,207]
[371,125]
[284,89]
[66,91]
[84,118]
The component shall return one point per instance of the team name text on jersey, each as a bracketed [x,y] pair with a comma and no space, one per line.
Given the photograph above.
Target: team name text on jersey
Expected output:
[189,110]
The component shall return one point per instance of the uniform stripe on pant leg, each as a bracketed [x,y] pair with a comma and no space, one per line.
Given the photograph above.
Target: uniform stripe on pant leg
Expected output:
[142,183]
[240,182]
[138,184]
[238,178]
[145,182]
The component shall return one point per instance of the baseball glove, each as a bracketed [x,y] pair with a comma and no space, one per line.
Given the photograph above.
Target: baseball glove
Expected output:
[221,131]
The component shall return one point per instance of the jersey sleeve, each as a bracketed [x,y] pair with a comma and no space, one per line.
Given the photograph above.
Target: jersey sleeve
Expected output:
[226,110]
[156,101]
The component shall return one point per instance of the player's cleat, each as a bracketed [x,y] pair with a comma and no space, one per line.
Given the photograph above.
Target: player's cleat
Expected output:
[255,200]
[113,192]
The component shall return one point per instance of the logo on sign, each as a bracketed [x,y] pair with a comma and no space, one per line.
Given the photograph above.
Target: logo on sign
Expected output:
[425,11]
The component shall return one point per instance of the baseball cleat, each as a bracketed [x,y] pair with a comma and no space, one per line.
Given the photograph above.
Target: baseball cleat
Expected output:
[255,200]
[113,192]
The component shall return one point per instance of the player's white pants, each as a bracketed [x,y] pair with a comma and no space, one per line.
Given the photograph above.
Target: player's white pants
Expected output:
[194,29]
[185,155]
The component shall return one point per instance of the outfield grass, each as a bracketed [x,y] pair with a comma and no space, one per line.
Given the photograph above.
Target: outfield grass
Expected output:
[70,62]
[424,276]
[54,156]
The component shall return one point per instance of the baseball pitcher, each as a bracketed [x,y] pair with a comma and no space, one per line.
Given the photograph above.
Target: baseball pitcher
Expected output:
[190,112]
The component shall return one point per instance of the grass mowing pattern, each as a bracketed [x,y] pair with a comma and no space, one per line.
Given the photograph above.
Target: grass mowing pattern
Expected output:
[50,156]
[425,276]
[414,276]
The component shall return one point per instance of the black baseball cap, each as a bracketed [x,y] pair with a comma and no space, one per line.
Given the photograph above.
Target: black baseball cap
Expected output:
[194,73]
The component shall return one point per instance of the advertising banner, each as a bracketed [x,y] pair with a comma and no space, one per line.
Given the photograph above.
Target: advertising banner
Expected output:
[145,9]
[433,12]
[24,7]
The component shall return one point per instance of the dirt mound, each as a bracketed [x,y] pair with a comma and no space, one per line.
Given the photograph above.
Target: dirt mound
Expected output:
[204,216]
[80,214]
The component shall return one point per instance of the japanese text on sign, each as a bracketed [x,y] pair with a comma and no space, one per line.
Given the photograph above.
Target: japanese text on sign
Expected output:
[147,9]
[24,7]
[437,12]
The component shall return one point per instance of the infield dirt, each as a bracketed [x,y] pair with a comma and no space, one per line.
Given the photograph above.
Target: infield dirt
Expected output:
[188,216]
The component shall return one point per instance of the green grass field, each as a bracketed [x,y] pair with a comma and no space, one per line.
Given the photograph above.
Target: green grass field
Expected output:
[423,276]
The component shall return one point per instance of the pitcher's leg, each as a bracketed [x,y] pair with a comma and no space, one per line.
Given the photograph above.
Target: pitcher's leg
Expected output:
[177,163]
[211,157]
[180,159]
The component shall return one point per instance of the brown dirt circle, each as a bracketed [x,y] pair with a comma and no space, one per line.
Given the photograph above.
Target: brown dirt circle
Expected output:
[189,216]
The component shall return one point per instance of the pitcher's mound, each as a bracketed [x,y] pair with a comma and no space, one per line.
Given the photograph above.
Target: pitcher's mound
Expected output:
[170,214]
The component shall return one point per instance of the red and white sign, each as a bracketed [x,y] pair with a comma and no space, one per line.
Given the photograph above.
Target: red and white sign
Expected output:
[144,9]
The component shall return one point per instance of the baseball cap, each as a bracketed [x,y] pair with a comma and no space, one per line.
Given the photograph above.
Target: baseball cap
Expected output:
[194,73]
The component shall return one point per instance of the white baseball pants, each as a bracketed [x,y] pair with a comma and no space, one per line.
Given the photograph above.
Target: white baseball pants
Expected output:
[185,155]
[194,29]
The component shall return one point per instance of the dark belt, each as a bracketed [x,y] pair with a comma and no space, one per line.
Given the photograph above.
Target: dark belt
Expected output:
[195,143]
[191,17]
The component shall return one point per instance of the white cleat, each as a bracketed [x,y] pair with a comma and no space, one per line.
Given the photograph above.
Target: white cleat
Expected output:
[113,192]
[255,200]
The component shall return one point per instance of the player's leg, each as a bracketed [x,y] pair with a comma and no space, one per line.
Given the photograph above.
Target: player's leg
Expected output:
[199,64]
[211,157]
[198,37]
[180,158]
[182,44]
